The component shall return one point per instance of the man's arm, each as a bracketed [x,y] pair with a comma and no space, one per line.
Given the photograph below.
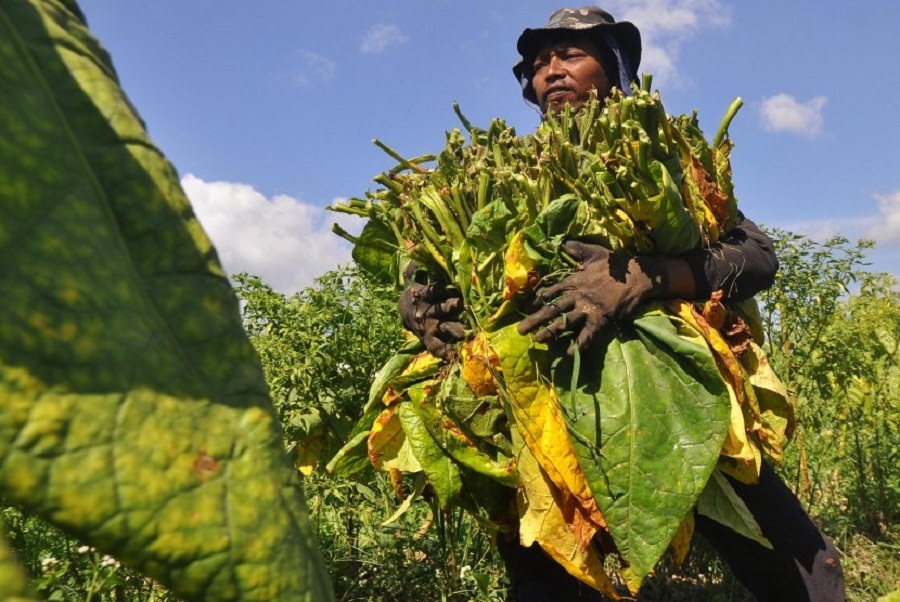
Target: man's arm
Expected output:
[612,285]
[741,264]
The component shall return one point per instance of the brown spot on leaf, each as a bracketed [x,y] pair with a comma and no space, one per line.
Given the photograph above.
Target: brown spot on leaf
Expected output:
[205,466]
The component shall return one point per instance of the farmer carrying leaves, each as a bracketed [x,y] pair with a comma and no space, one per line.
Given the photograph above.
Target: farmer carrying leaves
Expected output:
[579,54]
[586,375]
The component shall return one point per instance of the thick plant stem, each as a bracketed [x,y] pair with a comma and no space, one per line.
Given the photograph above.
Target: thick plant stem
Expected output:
[726,121]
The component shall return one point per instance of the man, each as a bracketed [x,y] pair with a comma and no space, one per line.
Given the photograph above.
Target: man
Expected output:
[577,52]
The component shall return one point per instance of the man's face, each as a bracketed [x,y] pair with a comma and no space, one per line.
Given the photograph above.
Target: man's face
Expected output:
[565,72]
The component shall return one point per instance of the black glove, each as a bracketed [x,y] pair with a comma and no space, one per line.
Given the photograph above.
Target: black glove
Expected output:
[605,286]
[427,310]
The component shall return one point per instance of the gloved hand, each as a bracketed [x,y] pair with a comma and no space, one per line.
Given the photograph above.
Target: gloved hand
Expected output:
[428,311]
[605,286]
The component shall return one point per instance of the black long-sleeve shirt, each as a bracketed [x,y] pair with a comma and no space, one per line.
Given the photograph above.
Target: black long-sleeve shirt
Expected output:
[741,264]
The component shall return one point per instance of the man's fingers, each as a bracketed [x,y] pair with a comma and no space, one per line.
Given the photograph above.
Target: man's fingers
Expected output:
[451,331]
[570,322]
[439,337]
[588,332]
[582,251]
[553,293]
[437,292]
[449,307]
[433,341]
[437,347]
[551,332]
[545,314]
[574,249]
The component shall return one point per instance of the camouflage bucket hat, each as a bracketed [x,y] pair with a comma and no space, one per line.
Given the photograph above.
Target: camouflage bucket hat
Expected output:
[623,38]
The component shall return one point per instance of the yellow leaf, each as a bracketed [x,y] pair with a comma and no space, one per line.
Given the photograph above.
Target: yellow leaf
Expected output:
[518,268]
[419,367]
[681,543]
[541,520]
[538,417]
[776,410]
[388,446]
[478,364]
[740,455]
[307,454]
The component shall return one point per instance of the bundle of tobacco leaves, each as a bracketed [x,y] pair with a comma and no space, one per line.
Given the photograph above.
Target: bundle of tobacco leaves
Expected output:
[616,445]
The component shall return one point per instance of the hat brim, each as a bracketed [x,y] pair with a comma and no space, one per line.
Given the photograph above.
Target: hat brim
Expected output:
[627,35]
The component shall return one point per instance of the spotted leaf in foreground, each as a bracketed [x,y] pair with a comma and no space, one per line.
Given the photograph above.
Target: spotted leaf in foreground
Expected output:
[133,409]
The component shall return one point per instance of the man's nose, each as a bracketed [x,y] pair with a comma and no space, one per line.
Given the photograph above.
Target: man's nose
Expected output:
[555,67]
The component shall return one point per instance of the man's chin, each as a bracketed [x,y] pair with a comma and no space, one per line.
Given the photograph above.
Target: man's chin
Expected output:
[560,106]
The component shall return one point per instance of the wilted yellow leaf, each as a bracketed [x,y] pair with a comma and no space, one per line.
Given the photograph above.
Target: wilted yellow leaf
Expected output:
[388,445]
[518,267]
[538,416]
[421,366]
[741,457]
[307,453]
[776,410]
[479,362]
[541,520]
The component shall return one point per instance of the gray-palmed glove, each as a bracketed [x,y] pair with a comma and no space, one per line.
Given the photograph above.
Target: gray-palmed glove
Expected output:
[430,310]
[605,286]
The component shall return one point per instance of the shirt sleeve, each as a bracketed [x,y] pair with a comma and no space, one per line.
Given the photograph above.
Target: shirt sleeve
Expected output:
[741,264]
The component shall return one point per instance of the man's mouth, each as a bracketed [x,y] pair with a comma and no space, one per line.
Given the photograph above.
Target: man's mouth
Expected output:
[556,93]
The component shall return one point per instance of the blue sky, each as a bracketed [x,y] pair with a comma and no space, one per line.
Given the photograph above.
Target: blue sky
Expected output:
[268,109]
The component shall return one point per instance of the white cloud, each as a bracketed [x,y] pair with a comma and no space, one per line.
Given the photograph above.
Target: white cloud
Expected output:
[887,228]
[883,227]
[381,37]
[784,113]
[283,240]
[824,229]
[313,68]
[666,25]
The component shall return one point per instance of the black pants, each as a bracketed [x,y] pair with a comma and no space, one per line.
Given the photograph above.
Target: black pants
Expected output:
[803,566]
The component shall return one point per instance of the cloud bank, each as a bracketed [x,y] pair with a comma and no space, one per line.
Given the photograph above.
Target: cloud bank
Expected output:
[783,113]
[283,240]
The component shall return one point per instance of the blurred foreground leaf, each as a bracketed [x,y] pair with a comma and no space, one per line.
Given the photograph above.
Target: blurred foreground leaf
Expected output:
[133,409]
[13,582]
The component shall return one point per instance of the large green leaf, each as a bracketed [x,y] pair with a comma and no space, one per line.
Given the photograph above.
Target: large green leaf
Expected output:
[443,472]
[134,412]
[648,412]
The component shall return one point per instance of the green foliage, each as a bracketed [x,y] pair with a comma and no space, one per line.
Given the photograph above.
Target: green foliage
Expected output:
[321,348]
[135,414]
[834,334]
